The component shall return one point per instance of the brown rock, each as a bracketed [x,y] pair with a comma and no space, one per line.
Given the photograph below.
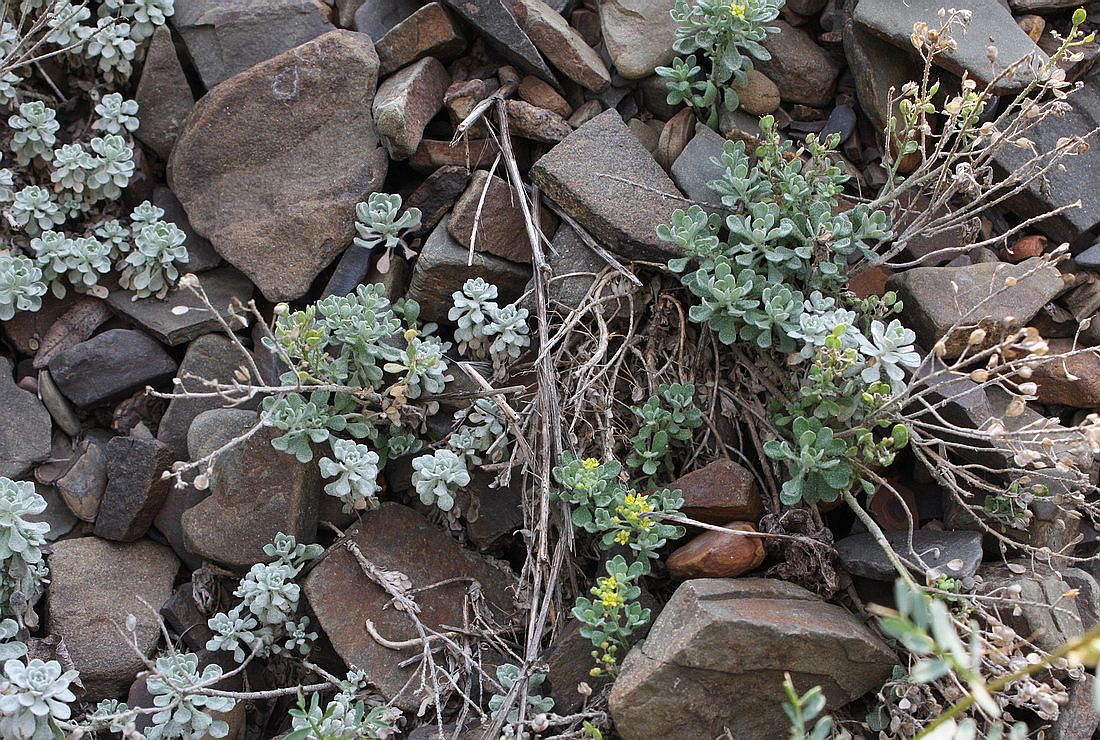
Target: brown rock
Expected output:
[462,96]
[870,281]
[1032,25]
[430,31]
[564,47]
[587,23]
[502,230]
[537,124]
[802,70]
[650,136]
[433,154]
[276,194]
[135,490]
[759,96]
[436,195]
[894,514]
[1069,381]
[638,35]
[674,137]
[719,492]
[1025,248]
[163,95]
[74,326]
[396,538]
[585,113]
[718,554]
[82,486]
[541,95]
[405,103]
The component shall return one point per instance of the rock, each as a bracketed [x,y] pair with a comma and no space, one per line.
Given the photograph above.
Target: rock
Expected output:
[719,492]
[83,485]
[1033,26]
[674,138]
[497,24]
[135,490]
[577,174]
[954,554]
[806,7]
[841,122]
[181,316]
[1077,718]
[255,493]
[94,586]
[499,511]
[276,194]
[226,37]
[396,538]
[870,281]
[25,426]
[461,98]
[568,255]
[718,554]
[429,32]
[169,521]
[541,95]
[563,46]
[1089,259]
[759,96]
[139,697]
[876,68]
[377,17]
[585,113]
[78,323]
[1070,381]
[181,614]
[801,70]
[694,168]
[405,103]
[201,255]
[502,230]
[436,195]
[474,154]
[1035,591]
[1026,248]
[638,35]
[110,366]
[58,406]
[654,91]
[649,133]
[441,270]
[163,95]
[715,634]
[587,23]
[992,23]
[1042,6]
[937,298]
[1064,184]
[537,124]
[210,357]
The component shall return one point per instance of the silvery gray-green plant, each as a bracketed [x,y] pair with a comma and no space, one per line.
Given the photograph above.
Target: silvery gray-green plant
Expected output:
[507,676]
[145,214]
[345,717]
[145,16]
[509,333]
[422,366]
[473,306]
[21,286]
[33,697]
[114,166]
[268,591]
[483,427]
[116,115]
[65,22]
[234,633]
[152,267]
[355,467]
[377,221]
[35,127]
[34,210]
[889,350]
[298,640]
[70,167]
[110,46]
[22,567]
[185,715]
[88,259]
[114,234]
[436,478]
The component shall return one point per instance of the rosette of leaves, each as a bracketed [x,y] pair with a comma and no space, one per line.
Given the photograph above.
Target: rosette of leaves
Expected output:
[88,259]
[70,167]
[729,36]
[35,697]
[22,567]
[234,633]
[821,318]
[379,222]
[436,478]
[889,351]
[355,468]
[508,675]
[268,591]
[364,324]
[471,311]
[610,618]
[483,429]
[185,714]
[35,132]
[422,367]
[509,333]
[21,287]
[145,16]
[306,422]
[724,298]
[116,115]
[114,166]
[770,326]
[817,462]
[110,46]
[34,210]
[343,718]
[152,267]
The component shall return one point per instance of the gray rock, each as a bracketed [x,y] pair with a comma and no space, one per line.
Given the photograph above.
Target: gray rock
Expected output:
[441,269]
[1031,614]
[802,70]
[94,586]
[1089,259]
[693,169]
[495,513]
[210,357]
[135,491]
[876,68]
[592,176]
[436,195]
[276,194]
[110,366]
[405,103]
[430,31]
[255,493]
[717,634]
[58,406]
[1042,6]
[377,17]
[226,37]
[992,23]
[180,316]
[937,298]
[201,255]
[954,554]
[568,254]
[500,29]
[163,95]
[638,35]
[396,538]
[24,426]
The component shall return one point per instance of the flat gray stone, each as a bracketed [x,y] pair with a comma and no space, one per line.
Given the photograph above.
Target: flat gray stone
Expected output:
[25,426]
[496,24]
[376,17]
[638,35]
[163,95]
[954,554]
[135,490]
[110,366]
[694,168]
[603,177]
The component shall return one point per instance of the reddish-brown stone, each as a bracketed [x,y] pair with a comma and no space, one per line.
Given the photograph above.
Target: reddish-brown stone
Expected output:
[720,492]
[1022,249]
[502,230]
[718,554]
[540,94]
[564,46]
[429,32]
[537,124]
[1069,381]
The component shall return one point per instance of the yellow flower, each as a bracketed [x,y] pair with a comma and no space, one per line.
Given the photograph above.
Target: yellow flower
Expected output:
[410,334]
[622,537]
[737,10]
[590,463]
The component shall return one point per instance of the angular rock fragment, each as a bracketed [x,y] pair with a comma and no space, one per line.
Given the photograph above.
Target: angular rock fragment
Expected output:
[163,95]
[405,103]
[275,193]
[602,176]
[802,70]
[436,195]
[395,538]
[110,366]
[501,228]
[718,634]
[695,168]
[541,95]
[953,554]
[563,46]
[83,484]
[720,492]
[135,490]
[714,554]
[537,124]
[638,35]
[497,23]
[24,426]
[376,18]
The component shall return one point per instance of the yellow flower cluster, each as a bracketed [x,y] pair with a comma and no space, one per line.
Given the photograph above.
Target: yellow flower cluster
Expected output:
[633,514]
[737,10]
[607,591]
